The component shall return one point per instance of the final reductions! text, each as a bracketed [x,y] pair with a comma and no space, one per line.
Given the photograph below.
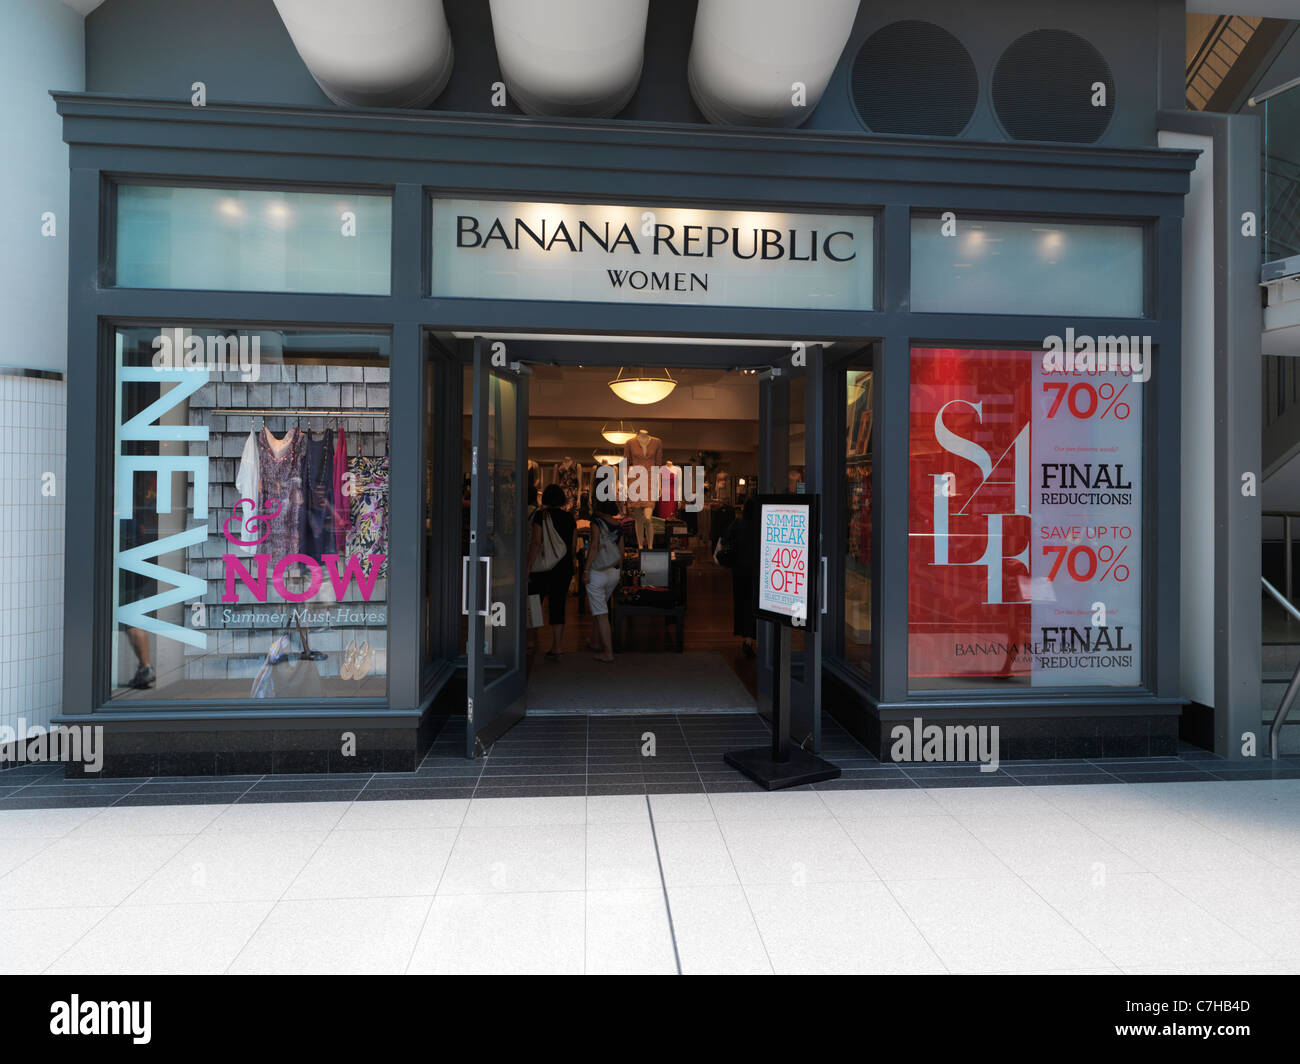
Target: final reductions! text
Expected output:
[1026,496]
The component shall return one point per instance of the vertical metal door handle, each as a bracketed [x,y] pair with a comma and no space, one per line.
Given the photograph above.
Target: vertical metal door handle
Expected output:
[825,604]
[464,586]
[486,611]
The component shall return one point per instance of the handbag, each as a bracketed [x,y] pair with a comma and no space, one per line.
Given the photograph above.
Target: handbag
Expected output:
[610,553]
[552,549]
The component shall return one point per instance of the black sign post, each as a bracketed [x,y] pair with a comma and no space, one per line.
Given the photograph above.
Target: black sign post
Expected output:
[787,548]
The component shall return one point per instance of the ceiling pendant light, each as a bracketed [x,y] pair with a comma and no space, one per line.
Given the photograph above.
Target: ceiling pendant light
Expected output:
[642,389]
[606,459]
[618,436]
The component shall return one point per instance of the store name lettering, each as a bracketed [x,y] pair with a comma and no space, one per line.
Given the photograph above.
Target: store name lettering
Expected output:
[660,238]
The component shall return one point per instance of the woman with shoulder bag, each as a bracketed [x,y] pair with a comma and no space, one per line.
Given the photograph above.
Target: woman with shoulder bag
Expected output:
[550,560]
[604,568]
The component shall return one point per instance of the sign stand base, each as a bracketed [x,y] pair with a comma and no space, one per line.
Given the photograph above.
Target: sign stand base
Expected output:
[781,765]
[800,767]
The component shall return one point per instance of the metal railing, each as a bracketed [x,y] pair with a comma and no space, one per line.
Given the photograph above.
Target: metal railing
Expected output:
[1287,516]
[1280,111]
[1293,688]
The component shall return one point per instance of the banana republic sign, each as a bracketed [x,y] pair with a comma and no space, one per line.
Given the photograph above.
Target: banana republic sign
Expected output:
[492,249]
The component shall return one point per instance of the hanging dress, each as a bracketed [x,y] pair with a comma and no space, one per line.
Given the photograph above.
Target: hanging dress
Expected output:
[369,532]
[319,538]
[282,475]
[342,504]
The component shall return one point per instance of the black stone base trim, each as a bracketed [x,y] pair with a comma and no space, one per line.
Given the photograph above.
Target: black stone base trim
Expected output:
[350,747]
[140,746]
[1029,731]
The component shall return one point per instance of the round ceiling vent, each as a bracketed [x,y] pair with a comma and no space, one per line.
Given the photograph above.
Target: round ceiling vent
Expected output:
[914,77]
[1053,85]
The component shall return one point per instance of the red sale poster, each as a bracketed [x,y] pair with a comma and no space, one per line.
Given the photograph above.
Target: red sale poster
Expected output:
[1024,519]
[968,513]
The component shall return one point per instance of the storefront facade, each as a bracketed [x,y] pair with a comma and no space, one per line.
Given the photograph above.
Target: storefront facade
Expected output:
[1017,535]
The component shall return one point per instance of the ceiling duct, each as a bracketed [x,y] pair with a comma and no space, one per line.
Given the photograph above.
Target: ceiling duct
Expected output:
[750,57]
[372,53]
[570,58]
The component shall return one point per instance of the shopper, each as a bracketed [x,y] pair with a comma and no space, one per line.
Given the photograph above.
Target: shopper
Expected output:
[739,550]
[604,568]
[553,583]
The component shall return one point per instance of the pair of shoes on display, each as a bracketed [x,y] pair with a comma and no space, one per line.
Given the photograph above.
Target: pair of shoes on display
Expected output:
[358,660]
[144,678]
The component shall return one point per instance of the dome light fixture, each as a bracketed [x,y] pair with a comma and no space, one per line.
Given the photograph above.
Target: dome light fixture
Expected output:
[606,459]
[618,436]
[644,389]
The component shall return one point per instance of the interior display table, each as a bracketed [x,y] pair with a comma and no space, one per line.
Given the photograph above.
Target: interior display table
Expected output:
[668,603]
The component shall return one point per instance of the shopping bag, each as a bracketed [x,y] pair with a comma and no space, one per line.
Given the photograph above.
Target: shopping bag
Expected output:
[534,611]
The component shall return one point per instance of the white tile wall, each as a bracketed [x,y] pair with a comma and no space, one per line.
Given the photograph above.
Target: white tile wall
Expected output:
[32,443]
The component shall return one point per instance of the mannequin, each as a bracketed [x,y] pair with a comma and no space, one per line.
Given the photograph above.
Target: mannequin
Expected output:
[645,452]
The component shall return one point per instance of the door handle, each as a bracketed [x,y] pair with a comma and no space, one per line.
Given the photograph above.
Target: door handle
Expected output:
[486,611]
[464,587]
[825,604]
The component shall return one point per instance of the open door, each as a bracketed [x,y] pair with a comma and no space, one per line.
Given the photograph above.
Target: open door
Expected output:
[791,408]
[493,583]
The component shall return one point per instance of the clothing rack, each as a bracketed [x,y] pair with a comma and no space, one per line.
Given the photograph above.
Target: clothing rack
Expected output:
[268,412]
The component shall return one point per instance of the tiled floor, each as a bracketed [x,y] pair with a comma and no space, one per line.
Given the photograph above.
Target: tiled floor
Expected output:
[607,755]
[1199,876]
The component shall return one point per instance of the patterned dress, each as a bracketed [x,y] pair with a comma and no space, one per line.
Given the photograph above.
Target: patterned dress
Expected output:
[369,532]
[283,483]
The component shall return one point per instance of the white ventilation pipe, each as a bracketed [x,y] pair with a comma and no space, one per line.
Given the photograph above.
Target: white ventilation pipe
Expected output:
[372,53]
[570,58]
[766,62]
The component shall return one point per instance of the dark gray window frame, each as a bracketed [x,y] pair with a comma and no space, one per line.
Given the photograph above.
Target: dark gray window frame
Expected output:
[415,155]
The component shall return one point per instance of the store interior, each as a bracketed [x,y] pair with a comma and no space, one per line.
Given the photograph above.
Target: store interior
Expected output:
[677,646]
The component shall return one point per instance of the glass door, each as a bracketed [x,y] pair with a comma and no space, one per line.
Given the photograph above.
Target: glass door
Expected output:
[791,414]
[493,583]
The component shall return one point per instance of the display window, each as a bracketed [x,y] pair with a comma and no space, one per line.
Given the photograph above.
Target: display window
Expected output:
[250,515]
[1025,517]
